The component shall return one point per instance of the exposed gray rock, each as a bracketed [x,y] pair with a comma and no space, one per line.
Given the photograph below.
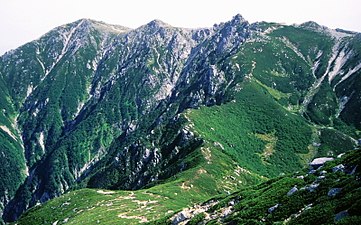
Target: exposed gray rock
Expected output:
[311,188]
[186,214]
[341,215]
[315,144]
[225,212]
[181,217]
[292,191]
[320,161]
[273,208]
[333,192]
[337,168]
[323,172]
[312,172]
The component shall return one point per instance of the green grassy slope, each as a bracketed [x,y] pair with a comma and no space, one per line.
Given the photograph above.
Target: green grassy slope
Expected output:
[255,131]
[317,198]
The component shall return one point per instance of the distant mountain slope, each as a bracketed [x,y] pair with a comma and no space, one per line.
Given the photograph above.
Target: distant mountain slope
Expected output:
[104,106]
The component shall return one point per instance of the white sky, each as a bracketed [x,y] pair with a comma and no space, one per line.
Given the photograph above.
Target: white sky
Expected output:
[22,21]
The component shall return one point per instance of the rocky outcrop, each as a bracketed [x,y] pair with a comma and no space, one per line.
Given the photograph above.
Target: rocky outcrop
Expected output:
[320,161]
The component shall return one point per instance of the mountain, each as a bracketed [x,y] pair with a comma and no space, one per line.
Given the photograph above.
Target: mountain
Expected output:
[176,115]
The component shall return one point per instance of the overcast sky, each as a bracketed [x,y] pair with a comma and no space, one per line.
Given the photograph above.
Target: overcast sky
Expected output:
[22,21]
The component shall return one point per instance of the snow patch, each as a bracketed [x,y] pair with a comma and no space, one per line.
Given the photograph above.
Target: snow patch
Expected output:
[270,30]
[30,90]
[339,62]
[41,64]
[41,141]
[238,68]
[79,171]
[88,66]
[7,130]
[349,73]
[314,88]
[36,112]
[79,108]
[95,64]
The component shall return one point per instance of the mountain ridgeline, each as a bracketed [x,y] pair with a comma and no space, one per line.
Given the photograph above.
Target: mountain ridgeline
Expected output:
[93,105]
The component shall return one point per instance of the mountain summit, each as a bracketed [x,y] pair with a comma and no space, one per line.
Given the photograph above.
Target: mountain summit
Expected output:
[186,113]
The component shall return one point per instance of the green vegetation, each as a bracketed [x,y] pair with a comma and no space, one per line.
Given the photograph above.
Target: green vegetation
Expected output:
[323,106]
[242,130]
[310,43]
[315,198]
[333,142]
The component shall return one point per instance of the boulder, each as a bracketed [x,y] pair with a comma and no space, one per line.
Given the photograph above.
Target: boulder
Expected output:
[311,188]
[273,208]
[333,192]
[180,217]
[320,161]
[292,191]
[339,167]
[341,215]
[340,155]
[312,172]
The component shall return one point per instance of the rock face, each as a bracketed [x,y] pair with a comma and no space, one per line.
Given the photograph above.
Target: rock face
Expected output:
[273,208]
[338,168]
[320,161]
[292,191]
[96,105]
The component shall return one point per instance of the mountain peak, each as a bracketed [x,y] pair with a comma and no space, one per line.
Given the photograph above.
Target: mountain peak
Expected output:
[102,26]
[157,24]
[313,26]
[238,19]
